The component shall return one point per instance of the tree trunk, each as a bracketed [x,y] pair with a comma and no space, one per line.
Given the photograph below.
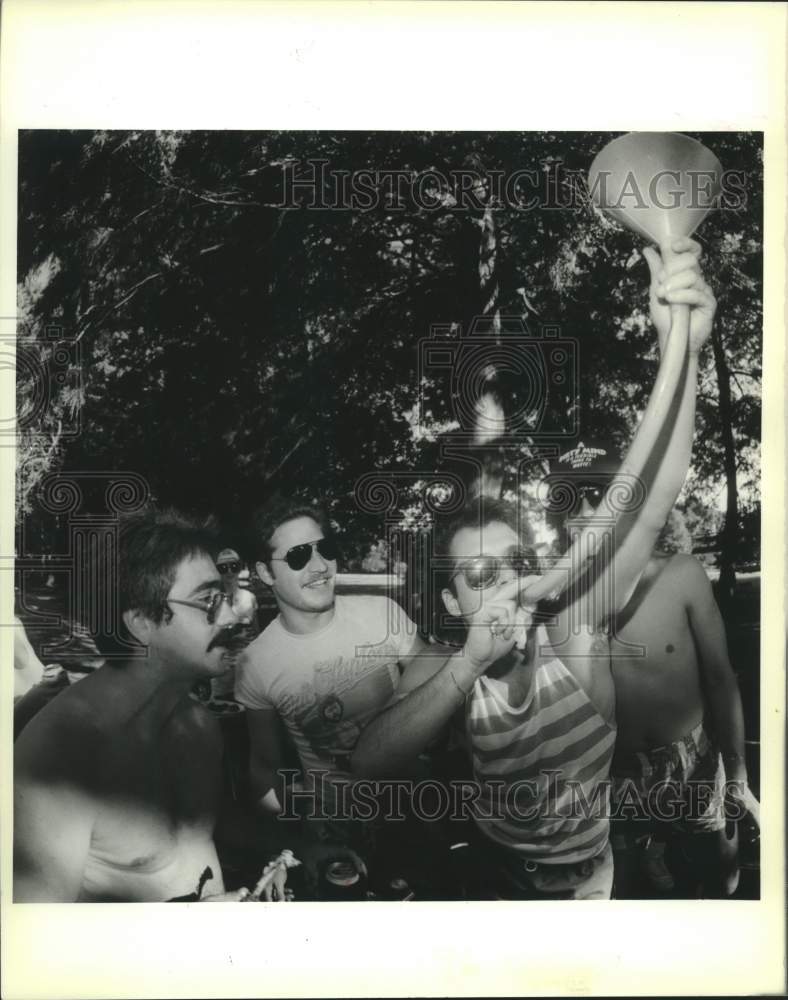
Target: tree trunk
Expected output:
[490,410]
[729,536]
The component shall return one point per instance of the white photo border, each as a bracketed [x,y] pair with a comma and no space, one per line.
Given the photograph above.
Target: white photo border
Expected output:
[477,66]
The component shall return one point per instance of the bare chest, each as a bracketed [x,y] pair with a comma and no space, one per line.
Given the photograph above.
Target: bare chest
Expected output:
[658,632]
[656,673]
[155,788]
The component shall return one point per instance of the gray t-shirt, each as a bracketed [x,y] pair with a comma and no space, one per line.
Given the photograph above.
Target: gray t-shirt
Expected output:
[326,686]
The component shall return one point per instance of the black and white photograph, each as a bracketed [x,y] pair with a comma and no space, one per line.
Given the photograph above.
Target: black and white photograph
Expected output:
[388,522]
[280,366]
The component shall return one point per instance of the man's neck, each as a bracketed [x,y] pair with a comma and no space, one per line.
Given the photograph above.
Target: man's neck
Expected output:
[518,663]
[305,622]
[511,663]
[153,690]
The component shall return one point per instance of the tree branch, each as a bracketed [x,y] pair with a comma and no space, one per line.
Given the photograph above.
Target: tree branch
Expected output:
[211,199]
[301,441]
[122,302]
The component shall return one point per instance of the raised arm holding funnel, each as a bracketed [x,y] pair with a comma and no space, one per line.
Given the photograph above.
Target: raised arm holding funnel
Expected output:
[605,562]
[543,717]
[649,183]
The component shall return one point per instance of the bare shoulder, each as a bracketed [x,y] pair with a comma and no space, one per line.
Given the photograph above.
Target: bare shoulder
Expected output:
[686,568]
[686,578]
[64,740]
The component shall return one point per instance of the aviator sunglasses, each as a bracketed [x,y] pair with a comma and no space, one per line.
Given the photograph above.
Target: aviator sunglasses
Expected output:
[484,571]
[297,557]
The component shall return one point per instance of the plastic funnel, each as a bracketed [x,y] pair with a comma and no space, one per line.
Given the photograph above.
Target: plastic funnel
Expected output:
[662,185]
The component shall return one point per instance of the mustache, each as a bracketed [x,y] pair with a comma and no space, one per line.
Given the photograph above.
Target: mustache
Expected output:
[227,637]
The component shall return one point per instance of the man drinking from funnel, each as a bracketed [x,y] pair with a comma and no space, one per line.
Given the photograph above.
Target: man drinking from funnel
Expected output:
[537,689]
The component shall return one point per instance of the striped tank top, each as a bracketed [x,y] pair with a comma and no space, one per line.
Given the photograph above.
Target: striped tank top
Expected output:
[542,767]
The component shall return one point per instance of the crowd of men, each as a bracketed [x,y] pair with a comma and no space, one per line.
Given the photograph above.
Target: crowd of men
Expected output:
[597,688]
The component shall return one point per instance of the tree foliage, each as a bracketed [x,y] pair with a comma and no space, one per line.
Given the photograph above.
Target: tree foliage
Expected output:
[234,343]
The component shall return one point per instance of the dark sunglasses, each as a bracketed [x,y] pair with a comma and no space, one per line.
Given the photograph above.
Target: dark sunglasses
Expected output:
[485,571]
[297,557]
[594,493]
[231,567]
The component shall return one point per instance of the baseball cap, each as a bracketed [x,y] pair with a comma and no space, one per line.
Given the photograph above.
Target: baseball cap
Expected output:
[227,556]
[587,460]
[585,469]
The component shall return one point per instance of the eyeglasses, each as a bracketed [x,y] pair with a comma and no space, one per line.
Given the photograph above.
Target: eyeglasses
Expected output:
[484,571]
[297,557]
[231,567]
[210,606]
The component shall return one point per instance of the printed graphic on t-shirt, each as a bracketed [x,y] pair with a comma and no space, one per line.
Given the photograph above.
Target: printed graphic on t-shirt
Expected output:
[331,711]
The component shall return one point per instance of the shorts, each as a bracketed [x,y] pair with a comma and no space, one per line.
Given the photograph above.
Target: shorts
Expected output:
[681,784]
[514,877]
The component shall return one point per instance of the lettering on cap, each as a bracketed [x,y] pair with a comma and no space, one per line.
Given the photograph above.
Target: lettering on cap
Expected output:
[581,457]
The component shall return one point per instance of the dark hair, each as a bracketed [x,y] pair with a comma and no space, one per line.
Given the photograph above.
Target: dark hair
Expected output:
[151,545]
[477,514]
[278,511]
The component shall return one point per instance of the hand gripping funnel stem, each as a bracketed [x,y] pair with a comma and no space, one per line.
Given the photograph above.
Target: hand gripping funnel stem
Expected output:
[662,185]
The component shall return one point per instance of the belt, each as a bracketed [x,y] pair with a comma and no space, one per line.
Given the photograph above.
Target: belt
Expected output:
[513,860]
[585,867]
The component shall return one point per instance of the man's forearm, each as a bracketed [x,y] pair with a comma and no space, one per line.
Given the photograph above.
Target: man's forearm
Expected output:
[624,557]
[662,487]
[672,469]
[389,742]
[671,410]
[728,723]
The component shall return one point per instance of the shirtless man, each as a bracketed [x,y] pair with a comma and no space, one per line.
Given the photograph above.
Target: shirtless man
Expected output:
[677,698]
[539,702]
[117,780]
[677,708]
